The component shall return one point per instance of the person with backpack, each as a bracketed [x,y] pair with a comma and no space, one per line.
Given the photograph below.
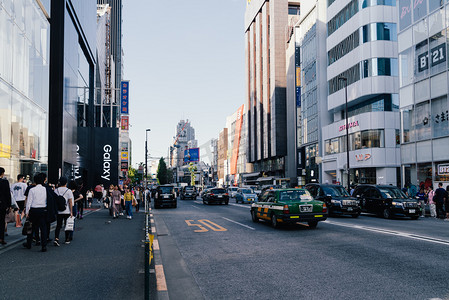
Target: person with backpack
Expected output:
[422,201]
[64,195]
[430,202]
[439,198]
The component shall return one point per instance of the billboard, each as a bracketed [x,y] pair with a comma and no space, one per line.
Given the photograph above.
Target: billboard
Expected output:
[125,123]
[124,166]
[106,157]
[191,155]
[124,97]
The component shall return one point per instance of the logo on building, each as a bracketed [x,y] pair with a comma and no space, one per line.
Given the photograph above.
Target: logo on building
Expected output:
[362,157]
[107,162]
[350,125]
[443,170]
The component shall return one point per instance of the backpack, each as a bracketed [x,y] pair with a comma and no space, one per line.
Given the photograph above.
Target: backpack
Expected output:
[61,203]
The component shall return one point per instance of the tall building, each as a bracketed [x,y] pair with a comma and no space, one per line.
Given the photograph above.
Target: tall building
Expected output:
[362,52]
[423,80]
[266,26]
[185,135]
[24,86]
[222,150]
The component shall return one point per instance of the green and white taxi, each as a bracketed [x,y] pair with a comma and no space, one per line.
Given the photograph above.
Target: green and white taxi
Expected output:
[288,206]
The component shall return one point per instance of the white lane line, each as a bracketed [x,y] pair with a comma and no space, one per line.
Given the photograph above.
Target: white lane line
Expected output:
[240,205]
[392,232]
[198,202]
[196,207]
[249,227]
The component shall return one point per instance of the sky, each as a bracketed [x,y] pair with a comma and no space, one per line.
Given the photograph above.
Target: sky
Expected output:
[184,60]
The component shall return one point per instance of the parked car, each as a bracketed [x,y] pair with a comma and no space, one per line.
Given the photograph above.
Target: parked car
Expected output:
[288,206]
[337,198]
[387,201]
[165,196]
[232,191]
[216,195]
[188,192]
[245,195]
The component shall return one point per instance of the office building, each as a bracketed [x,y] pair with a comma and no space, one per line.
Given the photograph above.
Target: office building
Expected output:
[423,80]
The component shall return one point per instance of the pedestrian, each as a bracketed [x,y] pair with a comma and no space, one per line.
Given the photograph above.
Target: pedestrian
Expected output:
[89,196]
[78,211]
[128,203]
[63,215]
[36,211]
[138,195]
[439,198]
[446,203]
[116,202]
[104,196]
[422,201]
[18,192]
[430,195]
[98,194]
[5,203]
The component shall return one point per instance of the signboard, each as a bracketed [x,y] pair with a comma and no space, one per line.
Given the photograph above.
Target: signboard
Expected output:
[191,155]
[125,123]
[124,97]
[437,56]
[443,170]
[350,125]
[124,156]
[124,166]
[124,147]
[363,157]
[106,156]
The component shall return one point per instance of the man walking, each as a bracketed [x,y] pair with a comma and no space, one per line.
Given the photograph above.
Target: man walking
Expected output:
[439,198]
[5,203]
[18,192]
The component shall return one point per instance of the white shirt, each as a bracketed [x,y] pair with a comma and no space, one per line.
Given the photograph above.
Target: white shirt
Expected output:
[37,198]
[18,191]
[68,195]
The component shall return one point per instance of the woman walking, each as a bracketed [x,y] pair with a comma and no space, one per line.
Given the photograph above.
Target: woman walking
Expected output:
[116,202]
[430,194]
[138,195]
[89,196]
[63,215]
[128,203]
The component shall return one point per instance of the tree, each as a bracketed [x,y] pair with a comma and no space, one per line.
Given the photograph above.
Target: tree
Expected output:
[162,172]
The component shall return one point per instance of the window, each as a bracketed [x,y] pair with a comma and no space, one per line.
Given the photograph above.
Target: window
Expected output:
[406,60]
[405,15]
[434,4]
[440,115]
[408,132]
[342,17]
[293,10]
[422,121]
[344,47]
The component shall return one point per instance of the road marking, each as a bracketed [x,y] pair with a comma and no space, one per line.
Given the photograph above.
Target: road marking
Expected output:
[152,220]
[198,202]
[196,207]
[240,205]
[212,225]
[239,223]
[201,228]
[156,245]
[161,284]
[392,232]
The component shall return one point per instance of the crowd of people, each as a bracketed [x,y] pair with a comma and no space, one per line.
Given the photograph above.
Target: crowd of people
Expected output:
[36,205]
[438,200]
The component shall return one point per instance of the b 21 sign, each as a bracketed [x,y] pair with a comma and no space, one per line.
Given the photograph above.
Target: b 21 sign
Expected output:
[437,56]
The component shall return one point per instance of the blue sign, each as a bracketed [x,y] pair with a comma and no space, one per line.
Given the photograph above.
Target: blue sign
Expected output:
[124,97]
[191,155]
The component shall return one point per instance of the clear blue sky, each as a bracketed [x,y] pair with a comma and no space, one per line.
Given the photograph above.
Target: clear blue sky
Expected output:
[184,60]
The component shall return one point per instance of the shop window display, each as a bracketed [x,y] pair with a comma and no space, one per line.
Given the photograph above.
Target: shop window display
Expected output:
[440,117]
[422,121]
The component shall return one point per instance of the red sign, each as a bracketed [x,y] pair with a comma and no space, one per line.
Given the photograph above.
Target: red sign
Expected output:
[350,125]
[125,123]
[362,157]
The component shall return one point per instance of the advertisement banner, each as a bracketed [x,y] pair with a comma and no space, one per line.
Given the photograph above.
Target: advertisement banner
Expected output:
[106,156]
[124,166]
[124,96]
[191,155]
[124,156]
[125,123]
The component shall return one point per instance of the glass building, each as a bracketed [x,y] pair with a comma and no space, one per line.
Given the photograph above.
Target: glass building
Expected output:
[24,86]
[423,66]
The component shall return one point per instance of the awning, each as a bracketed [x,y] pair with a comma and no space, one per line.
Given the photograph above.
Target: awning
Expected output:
[255,174]
[265,179]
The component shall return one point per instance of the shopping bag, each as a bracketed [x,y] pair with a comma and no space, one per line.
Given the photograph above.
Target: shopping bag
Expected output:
[70,224]
[10,216]
[27,228]
[18,220]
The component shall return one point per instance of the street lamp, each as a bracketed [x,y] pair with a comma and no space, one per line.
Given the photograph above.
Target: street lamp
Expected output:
[347,129]
[146,163]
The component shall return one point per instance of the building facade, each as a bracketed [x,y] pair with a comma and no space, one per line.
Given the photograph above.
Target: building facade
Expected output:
[24,86]
[423,79]
[266,25]
[362,54]
[222,150]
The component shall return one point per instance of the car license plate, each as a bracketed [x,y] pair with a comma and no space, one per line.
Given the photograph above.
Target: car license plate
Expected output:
[165,197]
[349,208]
[249,199]
[306,208]
[412,211]
[220,196]
[318,216]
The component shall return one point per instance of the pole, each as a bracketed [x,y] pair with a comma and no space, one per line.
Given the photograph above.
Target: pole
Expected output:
[347,133]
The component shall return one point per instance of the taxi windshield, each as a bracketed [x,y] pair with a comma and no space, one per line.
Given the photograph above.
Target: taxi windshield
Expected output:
[335,191]
[247,191]
[298,195]
[392,193]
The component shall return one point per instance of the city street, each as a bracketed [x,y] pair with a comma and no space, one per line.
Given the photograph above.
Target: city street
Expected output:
[218,252]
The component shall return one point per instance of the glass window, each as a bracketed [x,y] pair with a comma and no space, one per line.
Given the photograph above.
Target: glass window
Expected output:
[419,9]
[422,121]
[437,59]
[355,141]
[293,10]
[440,114]
[406,66]
[386,32]
[407,116]
[421,60]
[405,16]
[434,4]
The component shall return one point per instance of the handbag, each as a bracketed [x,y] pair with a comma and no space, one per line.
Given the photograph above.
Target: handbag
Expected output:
[27,228]
[10,216]
[70,224]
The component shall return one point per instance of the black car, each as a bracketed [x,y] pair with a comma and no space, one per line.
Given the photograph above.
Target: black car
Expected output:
[386,200]
[337,198]
[165,196]
[216,195]
[188,192]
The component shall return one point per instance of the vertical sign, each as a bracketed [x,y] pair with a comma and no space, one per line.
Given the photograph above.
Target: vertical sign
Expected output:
[125,123]
[124,102]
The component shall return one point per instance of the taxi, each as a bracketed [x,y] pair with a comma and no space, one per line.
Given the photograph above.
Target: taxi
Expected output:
[288,206]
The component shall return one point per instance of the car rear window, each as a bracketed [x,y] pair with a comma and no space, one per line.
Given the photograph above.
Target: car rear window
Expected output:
[166,189]
[297,195]
[218,191]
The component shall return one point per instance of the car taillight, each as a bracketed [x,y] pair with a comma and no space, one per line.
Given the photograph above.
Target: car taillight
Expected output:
[324,208]
[226,194]
[212,194]
[286,210]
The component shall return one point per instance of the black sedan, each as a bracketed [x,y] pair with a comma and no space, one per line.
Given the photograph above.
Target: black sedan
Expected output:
[216,195]
[336,197]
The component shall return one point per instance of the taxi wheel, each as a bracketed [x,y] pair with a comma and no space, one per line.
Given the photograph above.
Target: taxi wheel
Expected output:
[312,224]
[254,216]
[274,221]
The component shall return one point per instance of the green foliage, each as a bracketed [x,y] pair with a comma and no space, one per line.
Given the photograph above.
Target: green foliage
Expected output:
[162,172]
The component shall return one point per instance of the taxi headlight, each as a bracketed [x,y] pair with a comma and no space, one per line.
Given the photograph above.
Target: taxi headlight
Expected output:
[335,202]
[397,203]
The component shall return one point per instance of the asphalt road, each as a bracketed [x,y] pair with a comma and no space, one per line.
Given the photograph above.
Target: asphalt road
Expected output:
[217,252]
[104,261]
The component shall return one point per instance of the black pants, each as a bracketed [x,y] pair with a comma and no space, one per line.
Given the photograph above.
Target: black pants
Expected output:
[21,205]
[2,223]
[440,210]
[81,207]
[38,217]
[60,219]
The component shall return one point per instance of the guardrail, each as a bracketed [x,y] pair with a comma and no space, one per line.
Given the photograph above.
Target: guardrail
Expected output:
[148,248]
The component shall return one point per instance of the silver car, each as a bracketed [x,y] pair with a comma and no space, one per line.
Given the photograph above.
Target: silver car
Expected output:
[245,195]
